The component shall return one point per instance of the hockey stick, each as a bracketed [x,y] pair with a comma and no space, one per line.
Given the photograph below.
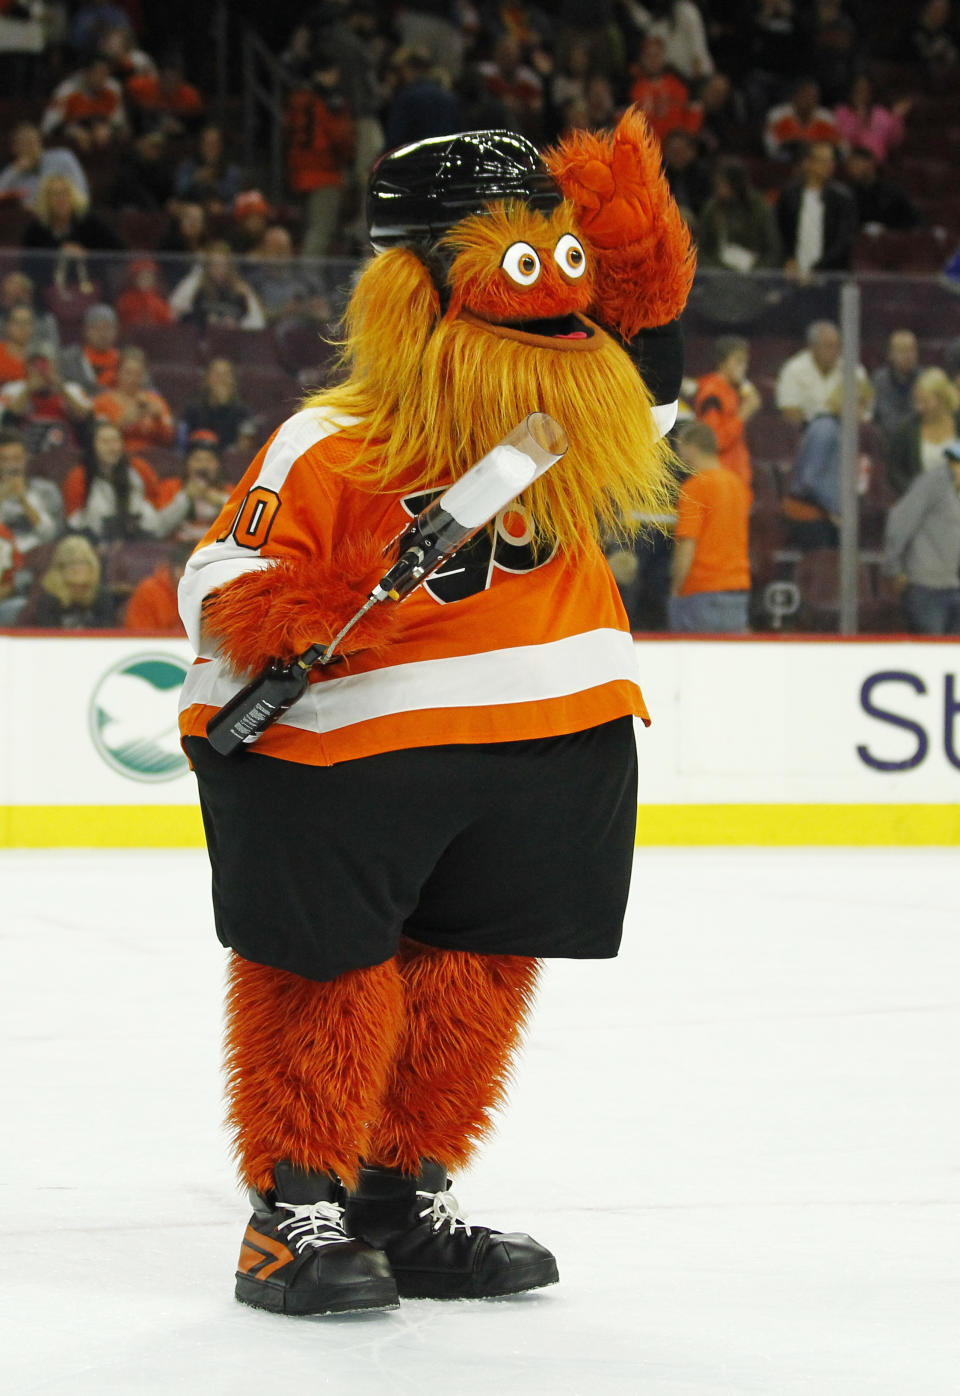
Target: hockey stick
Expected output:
[435,535]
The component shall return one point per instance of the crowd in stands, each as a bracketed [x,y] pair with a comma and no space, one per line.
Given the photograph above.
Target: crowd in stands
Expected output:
[160,313]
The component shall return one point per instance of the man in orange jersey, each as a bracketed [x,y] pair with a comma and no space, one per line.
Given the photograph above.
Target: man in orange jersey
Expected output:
[710,577]
[455,798]
[726,400]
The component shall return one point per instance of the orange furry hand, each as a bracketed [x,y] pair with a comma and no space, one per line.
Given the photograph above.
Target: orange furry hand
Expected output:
[642,251]
[279,611]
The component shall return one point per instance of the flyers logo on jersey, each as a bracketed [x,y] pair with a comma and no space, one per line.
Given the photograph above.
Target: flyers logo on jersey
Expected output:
[511,548]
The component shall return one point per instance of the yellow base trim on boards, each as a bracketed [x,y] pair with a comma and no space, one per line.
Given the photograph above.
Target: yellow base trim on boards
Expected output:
[100,826]
[813,826]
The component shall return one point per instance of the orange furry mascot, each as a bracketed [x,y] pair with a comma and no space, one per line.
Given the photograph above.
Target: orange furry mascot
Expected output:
[455,799]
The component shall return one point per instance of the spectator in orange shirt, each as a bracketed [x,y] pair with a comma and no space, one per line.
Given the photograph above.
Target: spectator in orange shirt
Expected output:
[142,301]
[142,415]
[153,604]
[164,101]
[710,573]
[319,153]
[663,98]
[726,400]
[87,108]
[18,328]
[796,124]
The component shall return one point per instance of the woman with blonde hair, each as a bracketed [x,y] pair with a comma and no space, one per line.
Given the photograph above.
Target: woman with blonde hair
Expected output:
[70,595]
[919,443]
[62,222]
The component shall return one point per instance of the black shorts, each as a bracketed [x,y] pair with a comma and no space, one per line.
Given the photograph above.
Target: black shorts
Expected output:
[507,848]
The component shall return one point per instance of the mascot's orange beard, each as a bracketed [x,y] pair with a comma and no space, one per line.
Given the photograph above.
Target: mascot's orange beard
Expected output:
[434,394]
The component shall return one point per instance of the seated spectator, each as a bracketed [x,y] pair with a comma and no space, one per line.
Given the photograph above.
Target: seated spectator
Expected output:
[251,215]
[516,84]
[879,203]
[92,21]
[201,485]
[919,442]
[320,139]
[865,123]
[726,400]
[153,603]
[144,179]
[807,379]
[10,561]
[679,27]
[186,233]
[208,178]
[736,228]
[725,121]
[687,172]
[893,383]
[94,362]
[419,105]
[70,595]
[601,111]
[835,48]
[932,41]
[16,288]
[106,496]
[31,163]
[87,109]
[792,127]
[663,98]
[42,406]
[710,572]
[922,548]
[218,409]
[141,414]
[18,332]
[142,302]
[164,101]
[31,508]
[813,502]
[63,223]
[287,287]
[816,216]
[118,46]
[214,293]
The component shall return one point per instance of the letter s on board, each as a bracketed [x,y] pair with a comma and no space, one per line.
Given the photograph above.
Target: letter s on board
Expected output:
[883,715]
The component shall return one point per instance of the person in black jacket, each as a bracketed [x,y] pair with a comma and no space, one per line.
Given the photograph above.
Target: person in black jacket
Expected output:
[817,216]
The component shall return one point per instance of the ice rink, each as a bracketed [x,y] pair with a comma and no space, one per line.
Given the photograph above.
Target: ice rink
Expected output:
[741,1139]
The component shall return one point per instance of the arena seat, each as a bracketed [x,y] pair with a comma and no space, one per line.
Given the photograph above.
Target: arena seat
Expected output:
[178,343]
[241,347]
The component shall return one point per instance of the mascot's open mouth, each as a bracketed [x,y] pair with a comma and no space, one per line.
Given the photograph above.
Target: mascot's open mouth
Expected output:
[558,331]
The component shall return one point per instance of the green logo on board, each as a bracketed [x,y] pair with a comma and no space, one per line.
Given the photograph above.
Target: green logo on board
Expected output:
[133,717]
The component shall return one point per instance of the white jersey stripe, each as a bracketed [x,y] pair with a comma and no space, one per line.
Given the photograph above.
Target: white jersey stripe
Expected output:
[217,563]
[521,674]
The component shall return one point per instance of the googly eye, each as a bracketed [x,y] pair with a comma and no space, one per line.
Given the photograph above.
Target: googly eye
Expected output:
[570,256]
[521,263]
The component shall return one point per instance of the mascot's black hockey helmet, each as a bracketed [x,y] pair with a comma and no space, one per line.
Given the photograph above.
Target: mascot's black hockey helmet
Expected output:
[418,192]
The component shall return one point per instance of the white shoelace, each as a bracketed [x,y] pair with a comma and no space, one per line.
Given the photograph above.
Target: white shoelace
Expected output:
[444,1209]
[314,1224]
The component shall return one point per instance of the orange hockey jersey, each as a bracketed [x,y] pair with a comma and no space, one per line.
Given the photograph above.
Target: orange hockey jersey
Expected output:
[522,647]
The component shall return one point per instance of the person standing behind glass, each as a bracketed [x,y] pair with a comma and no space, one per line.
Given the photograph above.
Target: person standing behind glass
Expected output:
[922,548]
[710,574]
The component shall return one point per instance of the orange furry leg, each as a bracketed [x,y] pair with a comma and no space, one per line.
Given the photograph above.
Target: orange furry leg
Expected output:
[464,1017]
[307,1064]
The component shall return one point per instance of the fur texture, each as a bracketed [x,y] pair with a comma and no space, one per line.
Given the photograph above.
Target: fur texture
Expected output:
[431,404]
[277,612]
[630,221]
[307,1064]
[464,1017]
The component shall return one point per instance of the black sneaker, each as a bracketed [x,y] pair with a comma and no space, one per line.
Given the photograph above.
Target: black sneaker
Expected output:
[296,1257]
[433,1252]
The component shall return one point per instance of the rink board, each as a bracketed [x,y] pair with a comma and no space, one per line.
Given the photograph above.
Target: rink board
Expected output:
[786,742]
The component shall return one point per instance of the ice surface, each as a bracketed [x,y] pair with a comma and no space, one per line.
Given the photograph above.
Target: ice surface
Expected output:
[741,1139]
